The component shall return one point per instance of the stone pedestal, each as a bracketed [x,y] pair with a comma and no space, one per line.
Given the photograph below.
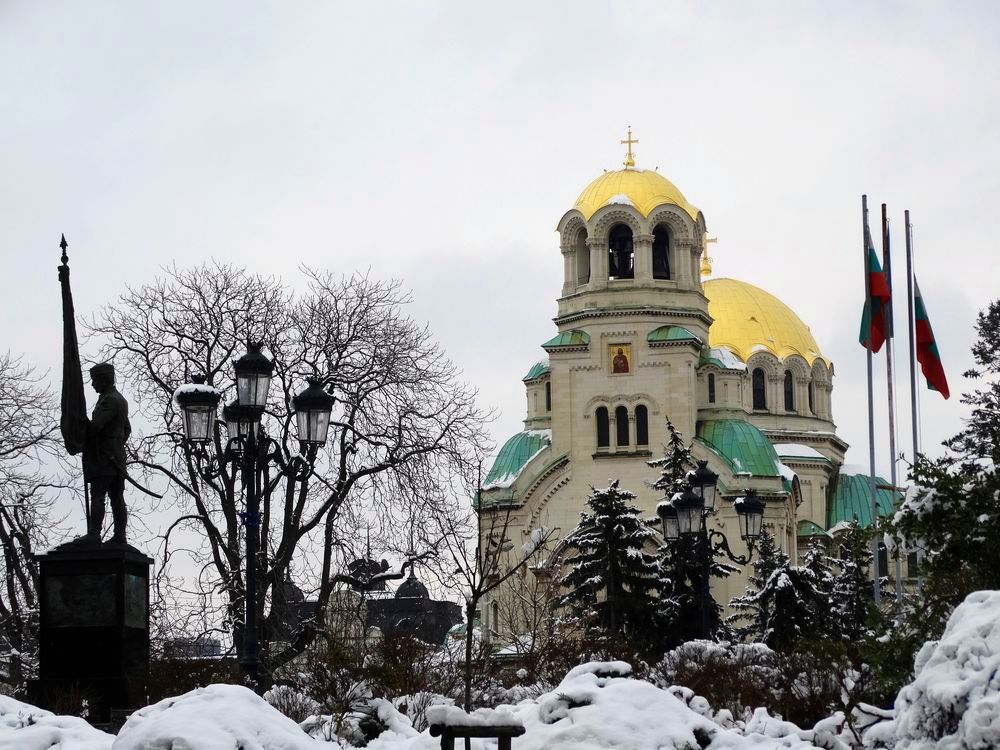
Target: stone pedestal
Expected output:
[93,628]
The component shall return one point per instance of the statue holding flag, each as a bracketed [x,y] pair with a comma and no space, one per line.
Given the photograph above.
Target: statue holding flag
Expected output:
[101,438]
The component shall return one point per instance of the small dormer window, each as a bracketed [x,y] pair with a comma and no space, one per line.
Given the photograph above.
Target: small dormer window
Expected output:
[621,256]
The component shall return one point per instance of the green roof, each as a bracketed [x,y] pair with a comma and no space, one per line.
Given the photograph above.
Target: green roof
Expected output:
[670,333]
[745,448]
[568,338]
[537,370]
[852,500]
[514,456]
[808,528]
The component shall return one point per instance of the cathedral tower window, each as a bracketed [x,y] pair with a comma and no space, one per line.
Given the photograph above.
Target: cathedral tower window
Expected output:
[661,252]
[582,258]
[641,425]
[809,391]
[789,391]
[621,427]
[603,433]
[548,396]
[759,390]
[711,388]
[621,256]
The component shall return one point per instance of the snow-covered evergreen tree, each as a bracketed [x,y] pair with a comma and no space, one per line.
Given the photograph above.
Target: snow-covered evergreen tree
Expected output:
[613,583]
[751,615]
[674,465]
[852,586]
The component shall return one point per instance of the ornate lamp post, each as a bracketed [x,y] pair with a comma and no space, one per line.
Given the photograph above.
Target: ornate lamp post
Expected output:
[249,449]
[685,515]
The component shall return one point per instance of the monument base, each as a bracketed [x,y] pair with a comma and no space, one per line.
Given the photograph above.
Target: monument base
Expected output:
[93,629]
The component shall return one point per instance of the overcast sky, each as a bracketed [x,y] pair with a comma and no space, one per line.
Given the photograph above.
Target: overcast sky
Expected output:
[441,142]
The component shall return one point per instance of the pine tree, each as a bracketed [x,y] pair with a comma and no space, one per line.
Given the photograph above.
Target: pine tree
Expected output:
[613,584]
[680,561]
[852,588]
[751,613]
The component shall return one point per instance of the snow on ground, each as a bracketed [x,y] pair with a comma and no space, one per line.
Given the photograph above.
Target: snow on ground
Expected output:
[954,699]
[25,727]
[217,717]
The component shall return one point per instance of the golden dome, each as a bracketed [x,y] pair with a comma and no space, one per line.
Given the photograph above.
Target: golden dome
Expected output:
[747,319]
[644,188]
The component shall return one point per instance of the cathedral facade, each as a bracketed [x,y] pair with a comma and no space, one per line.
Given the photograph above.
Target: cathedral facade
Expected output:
[643,335]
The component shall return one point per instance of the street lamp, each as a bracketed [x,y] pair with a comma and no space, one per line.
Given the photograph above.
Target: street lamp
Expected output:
[250,450]
[685,515]
[312,411]
[750,512]
[198,403]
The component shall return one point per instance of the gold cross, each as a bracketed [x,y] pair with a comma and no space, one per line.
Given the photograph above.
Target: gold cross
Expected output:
[706,262]
[629,156]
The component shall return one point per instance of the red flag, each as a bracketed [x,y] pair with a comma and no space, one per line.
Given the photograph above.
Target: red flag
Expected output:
[873,326]
[927,351]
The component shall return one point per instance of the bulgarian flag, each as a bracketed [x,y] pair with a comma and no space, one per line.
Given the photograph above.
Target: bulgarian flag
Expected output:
[873,326]
[927,351]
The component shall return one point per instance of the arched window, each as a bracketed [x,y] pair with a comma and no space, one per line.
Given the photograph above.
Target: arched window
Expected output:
[759,390]
[495,617]
[641,425]
[603,433]
[582,258]
[661,252]
[548,395]
[809,390]
[621,427]
[621,258]
[789,391]
[711,388]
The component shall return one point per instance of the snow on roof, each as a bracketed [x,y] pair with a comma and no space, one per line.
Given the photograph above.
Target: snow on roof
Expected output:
[619,200]
[726,357]
[797,450]
[855,470]
[786,472]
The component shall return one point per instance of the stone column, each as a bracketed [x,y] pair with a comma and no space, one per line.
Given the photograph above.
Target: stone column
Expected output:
[598,263]
[642,246]
[569,269]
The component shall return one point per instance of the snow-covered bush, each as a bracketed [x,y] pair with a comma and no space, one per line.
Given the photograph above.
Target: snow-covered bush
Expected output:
[25,727]
[217,717]
[954,698]
[293,703]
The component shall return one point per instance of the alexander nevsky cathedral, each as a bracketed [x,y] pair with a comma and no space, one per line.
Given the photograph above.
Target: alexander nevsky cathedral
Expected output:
[645,333]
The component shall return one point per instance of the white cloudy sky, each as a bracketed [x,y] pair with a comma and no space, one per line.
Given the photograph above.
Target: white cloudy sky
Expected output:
[440,143]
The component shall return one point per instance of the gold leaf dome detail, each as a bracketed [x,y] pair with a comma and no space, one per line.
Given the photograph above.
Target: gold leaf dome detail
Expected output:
[645,189]
[747,319]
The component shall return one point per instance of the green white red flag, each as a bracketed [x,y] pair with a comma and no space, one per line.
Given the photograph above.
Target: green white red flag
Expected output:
[874,318]
[927,351]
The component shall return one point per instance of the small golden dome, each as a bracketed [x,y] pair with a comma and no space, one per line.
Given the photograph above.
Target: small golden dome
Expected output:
[644,189]
[747,319]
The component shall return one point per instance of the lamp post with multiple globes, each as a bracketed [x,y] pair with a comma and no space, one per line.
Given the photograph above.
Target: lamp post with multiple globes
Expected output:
[249,449]
[685,515]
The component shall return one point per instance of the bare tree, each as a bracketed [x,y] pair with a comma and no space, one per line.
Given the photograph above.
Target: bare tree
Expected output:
[485,558]
[31,472]
[404,429]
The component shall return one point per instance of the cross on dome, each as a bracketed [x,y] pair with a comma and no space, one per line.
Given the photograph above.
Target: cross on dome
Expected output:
[629,156]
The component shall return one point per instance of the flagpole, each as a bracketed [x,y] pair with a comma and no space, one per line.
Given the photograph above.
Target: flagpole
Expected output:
[887,267]
[911,321]
[871,399]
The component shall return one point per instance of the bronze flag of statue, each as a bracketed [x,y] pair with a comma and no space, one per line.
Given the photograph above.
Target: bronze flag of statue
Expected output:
[101,438]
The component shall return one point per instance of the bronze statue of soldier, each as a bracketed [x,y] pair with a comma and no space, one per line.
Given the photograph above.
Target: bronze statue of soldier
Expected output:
[104,455]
